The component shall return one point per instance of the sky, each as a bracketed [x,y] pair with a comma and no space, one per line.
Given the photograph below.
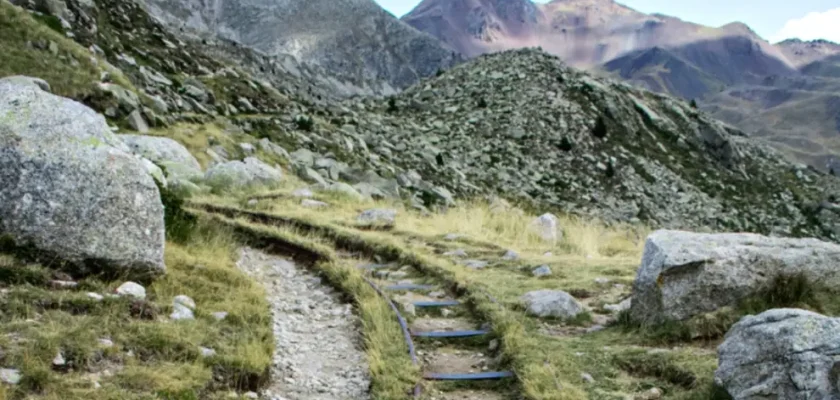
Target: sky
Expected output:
[774,20]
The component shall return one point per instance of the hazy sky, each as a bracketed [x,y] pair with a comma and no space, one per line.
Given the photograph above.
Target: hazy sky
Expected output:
[774,20]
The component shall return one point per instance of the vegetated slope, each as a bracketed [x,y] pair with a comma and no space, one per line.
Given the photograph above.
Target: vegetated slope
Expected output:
[353,38]
[523,124]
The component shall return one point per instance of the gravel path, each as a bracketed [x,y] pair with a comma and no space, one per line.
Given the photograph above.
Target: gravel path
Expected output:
[318,352]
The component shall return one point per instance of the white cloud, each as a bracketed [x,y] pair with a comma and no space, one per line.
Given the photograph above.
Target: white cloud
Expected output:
[815,25]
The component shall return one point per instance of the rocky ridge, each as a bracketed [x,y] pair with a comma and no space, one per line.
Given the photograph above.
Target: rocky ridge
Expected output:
[352,38]
[603,149]
[523,124]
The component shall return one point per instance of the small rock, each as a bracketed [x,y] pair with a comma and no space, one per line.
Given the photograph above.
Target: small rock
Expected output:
[136,121]
[587,377]
[378,216]
[617,308]
[181,313]
[59,360]
[309,203]
[252,395]
[651,394]
[542,270]
[456,253]
[207,352]
[132,289]
[219,315]
[552,303]
[452,236]
[409,309]
[106,343]
[253,202]
[602,281]
[10,376]
[95,296]
[303,192]
[248,148]
[493,346]
[57,284]
[185,301]
[475,264]
[547,227]
[510,255]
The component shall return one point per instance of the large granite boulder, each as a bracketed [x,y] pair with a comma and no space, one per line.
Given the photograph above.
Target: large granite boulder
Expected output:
[684,274]
[166,153]
[70,188]
[783,353]
[246,174]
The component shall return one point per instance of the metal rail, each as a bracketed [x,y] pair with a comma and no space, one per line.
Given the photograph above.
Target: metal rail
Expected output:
[403,326]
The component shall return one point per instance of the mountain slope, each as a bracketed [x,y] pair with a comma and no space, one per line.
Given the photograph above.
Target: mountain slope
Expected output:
[697,69]
[523,124]
[354,38]
[583,33]
[801,53]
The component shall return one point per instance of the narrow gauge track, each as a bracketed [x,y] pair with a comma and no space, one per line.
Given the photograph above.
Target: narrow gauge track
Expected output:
[445,338]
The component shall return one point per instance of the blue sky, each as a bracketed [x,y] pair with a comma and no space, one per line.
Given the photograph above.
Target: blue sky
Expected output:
[774,20]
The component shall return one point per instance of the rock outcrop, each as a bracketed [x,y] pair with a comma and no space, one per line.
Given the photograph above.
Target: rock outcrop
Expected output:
[786,354]
[245,174]
[349,38]
[166,153]
[71,189]
[684,274]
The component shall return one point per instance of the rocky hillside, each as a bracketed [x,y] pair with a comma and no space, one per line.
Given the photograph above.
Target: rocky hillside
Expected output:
[525,125]
[351,38]
[801,53]
[763,89]
[520,123]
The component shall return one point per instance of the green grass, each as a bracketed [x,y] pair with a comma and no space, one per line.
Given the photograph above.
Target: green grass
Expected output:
[547,366]
[70,72]
[151,357]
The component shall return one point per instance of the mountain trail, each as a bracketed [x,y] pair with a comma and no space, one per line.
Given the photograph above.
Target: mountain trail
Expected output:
[318,354]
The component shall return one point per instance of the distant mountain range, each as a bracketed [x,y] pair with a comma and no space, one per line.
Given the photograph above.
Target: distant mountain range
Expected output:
[786,93]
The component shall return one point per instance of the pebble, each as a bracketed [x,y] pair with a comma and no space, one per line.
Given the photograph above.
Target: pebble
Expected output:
[309,203]
[95,296]
[185,301]
[207,352]
[456,253]
[220,315]
[10,376]
[180,312]
[132,289]
[510,255]
[542,270]
[587,378]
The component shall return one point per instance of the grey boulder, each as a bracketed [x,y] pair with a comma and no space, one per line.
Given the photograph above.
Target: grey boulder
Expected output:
[166,153]
[551,303]
[684,274]
[249,173]
[71,188]
[378,216]
[781,354]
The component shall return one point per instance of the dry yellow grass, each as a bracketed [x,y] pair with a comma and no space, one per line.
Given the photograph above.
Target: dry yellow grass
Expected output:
[549,367]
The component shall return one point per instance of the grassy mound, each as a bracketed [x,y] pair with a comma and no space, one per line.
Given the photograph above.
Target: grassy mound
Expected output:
[119,348]
[35,45]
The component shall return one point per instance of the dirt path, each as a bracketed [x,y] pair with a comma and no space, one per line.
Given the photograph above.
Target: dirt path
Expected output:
[318,353]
